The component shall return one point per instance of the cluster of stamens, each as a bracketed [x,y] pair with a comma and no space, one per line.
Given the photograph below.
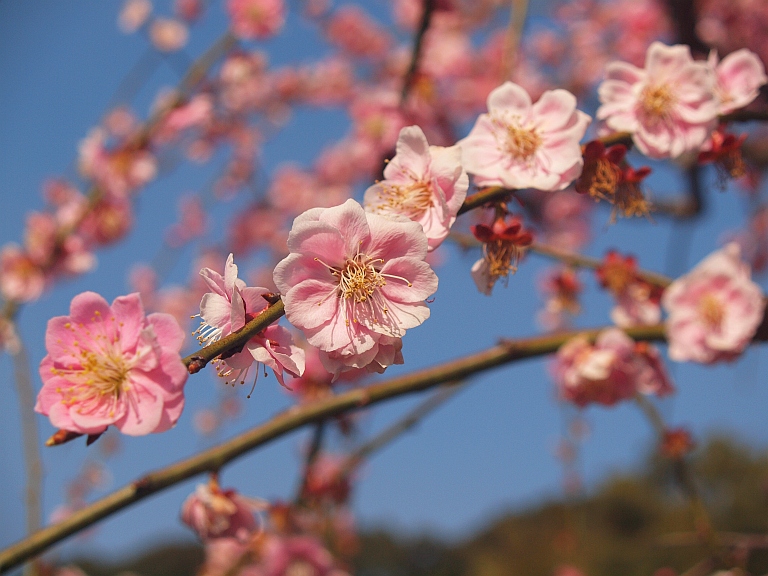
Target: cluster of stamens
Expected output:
[657,102]
[519,142]
[410,200]
[711,311]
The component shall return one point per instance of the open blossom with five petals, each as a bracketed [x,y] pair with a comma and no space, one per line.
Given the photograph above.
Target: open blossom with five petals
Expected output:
[423,183]
[612,369]
[226,309]
[738,78]
[518,144]
[714,310]
[112,365]
[669,107]
[354,282]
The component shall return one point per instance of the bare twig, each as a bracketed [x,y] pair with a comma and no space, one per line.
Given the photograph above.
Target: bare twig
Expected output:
[418,41]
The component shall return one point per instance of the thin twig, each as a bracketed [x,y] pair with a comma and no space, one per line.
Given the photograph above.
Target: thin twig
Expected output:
[518,10]
[418,41]
[30,442]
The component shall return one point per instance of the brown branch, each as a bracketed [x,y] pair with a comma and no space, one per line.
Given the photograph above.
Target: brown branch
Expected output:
[215,458]
[418,41]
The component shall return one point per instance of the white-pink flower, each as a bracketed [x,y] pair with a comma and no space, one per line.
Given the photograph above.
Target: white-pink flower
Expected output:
[669,107]
[739,77]
[424,183]
[523,145]
[256,18]
[216,513]
[612,369]
[112,365]
[354,282]
[226,309]
[714,310]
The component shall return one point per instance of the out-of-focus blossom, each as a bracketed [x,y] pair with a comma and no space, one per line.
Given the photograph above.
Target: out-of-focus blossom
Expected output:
[287,555]
[168,34]
[504,242]
[351,29]
[518,144]
[108,220]
[669,107]
[615,368]
[637,301]
[252,19]
[133,14]
[561,287]
[714,310]
[607,176]
[378,118]
[724,150]
[9,340]
[676,443]
[423,183]
[328,478]
[215,513]
[21,278]
[294,191]
[354,282]
[738,78]
[188,10]
[112,365]
[226,308]
[192,222]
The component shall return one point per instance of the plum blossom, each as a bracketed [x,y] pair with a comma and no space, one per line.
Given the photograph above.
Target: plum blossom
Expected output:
[256,18]
[738,78]
[215,513]
[637,301]
[354,282]
[168,34]
[523,145]
[615,368]
[112,365]
[669,107]
[714,310]
[287,555]
[504,243]
[423,183]
[226,309]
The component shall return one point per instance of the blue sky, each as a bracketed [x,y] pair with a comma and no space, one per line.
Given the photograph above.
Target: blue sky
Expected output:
[490,449]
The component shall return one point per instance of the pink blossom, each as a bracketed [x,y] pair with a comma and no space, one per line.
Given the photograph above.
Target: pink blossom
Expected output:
[168,35]
[286,555]
[424,183]
[351,29]
[354,282]
[216,513]
[133,14]
[714,310]
[226,309]
[669,107]
[739,77]
[615,368]
[112,365]
[253,19]
[21,278]
[294,191]
[523,145]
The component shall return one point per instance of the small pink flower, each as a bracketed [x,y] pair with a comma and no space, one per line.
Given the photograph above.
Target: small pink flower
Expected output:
[611,370]
[739,77]
[354,282]
[714,310]
[226,309]
[424,183]
[256,18]
[133,14]
[168,35]
[216,513]
[523,145]
[354,31]
[21,278]
[112,365]
[670,107]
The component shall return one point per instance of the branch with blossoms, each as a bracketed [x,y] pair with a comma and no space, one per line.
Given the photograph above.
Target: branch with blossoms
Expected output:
[354,277]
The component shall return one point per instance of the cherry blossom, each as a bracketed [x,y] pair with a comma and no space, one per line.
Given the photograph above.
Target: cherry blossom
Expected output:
[669,107]
[615,368]
[523,145]
[256,18]
[738,78]
[354,282]
[714,310]
[215,513]
[423,183]
[226,309]
[112,365]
